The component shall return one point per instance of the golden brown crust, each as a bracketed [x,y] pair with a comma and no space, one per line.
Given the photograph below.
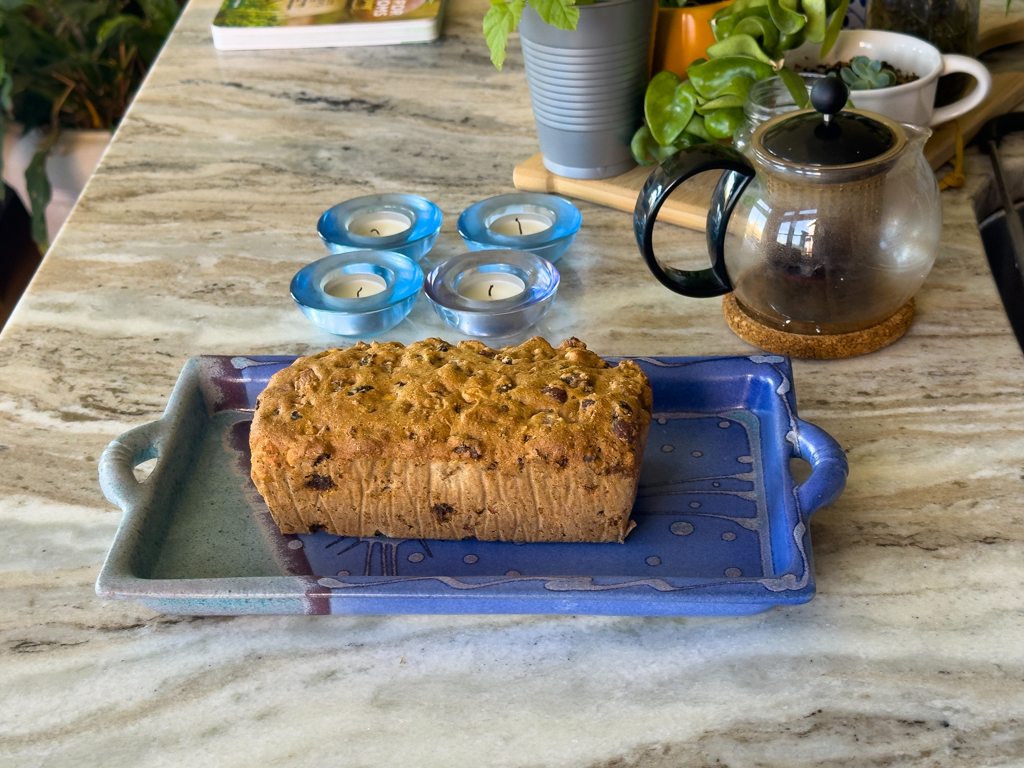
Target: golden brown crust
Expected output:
[432,440]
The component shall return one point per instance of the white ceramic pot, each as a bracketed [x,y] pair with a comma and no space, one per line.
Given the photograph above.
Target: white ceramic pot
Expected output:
[911,102]
[68,167]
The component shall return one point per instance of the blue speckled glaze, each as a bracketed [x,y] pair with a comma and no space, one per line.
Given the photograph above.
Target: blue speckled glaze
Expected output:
[722,529]
[415,242]
[549,244]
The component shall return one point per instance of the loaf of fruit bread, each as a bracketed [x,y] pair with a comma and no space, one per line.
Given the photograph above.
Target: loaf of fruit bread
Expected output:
[436,441]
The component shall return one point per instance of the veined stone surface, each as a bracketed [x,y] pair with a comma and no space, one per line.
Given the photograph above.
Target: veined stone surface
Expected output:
[184,243]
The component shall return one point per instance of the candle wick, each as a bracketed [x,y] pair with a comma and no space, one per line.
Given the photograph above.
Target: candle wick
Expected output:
[520,225]
[375,231]
[490,289]
[358,292]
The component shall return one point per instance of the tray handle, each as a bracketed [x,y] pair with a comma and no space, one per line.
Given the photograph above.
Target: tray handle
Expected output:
[829,468]
[119,459]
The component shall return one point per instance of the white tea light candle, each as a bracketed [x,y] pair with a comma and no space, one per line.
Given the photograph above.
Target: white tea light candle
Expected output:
[355,286]
[516,224]
[544,225]
[491,286]
[358,293]
[379,224]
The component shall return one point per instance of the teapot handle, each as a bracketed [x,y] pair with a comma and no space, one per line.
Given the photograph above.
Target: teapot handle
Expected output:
[661,183]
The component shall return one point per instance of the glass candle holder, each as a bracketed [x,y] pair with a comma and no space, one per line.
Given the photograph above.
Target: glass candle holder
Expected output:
[405,224]
[493,292]
[358,293]
[544,225]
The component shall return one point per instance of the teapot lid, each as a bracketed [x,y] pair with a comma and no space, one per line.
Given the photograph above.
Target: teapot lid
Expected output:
[828,136]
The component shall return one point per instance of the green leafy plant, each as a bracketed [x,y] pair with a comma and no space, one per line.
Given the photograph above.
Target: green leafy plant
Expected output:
[866,74]
[73,64]
[752,37]
[502,19]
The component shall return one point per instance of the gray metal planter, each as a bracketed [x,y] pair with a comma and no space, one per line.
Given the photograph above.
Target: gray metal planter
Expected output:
[587,85]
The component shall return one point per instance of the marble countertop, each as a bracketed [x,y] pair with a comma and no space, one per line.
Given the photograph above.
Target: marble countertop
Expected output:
[184,243]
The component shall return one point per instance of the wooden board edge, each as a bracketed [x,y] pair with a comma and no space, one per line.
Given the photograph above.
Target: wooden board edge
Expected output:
[1004,34]
[531,176]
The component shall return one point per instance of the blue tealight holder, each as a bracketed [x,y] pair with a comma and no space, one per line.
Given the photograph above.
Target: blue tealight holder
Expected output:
[493,292]
[405,224]
[544,225]
[358,293]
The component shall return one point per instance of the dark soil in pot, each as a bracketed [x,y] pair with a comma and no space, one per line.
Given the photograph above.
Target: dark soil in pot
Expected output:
[827,69]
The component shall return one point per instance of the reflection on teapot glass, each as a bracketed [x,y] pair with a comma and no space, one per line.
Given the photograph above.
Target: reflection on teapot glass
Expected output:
[822,258]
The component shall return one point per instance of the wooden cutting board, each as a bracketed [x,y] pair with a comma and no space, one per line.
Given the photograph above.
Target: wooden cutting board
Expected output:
[688,205]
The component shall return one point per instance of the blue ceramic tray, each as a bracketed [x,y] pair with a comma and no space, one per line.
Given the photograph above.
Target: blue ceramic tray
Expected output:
[722,529]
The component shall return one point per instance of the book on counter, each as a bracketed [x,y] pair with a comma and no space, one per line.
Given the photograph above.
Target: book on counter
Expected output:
[262,24]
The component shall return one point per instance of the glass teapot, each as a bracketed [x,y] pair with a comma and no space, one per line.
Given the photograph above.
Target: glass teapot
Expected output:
[831,228]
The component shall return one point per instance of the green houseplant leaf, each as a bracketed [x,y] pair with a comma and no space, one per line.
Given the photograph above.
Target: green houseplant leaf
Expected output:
[502,18]
[795,85]
[729,101]
[558,13]
[761,29]
[117,24]
[667,107]
[697,128]
[739,45]
[499,22]
[835,26]
[722,123]
[726,19]
[786,19]
[816,17]
[712,77]
[39,191]
[647,151]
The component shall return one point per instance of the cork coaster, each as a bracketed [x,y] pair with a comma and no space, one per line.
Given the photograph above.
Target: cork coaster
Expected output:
[817,347]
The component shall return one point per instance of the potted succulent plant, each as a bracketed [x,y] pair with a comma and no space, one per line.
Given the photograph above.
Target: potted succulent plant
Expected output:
[587,65]
[68,71]
[906,93]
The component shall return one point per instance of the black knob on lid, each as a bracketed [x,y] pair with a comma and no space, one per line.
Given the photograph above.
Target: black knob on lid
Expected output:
[829,95]
[830,136]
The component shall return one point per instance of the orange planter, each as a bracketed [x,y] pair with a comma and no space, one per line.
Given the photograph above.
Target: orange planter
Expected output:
[683,36]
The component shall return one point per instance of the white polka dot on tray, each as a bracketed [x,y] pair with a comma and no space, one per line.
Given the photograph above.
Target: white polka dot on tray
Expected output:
[723,424]
[696,454]
[653,560]
[513,573]
[733,573]
[667,448]
[728,536]
[681,528]
[295,544]
[663,421]
[470,559]
[694,505]
[344,573]
[416,557]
